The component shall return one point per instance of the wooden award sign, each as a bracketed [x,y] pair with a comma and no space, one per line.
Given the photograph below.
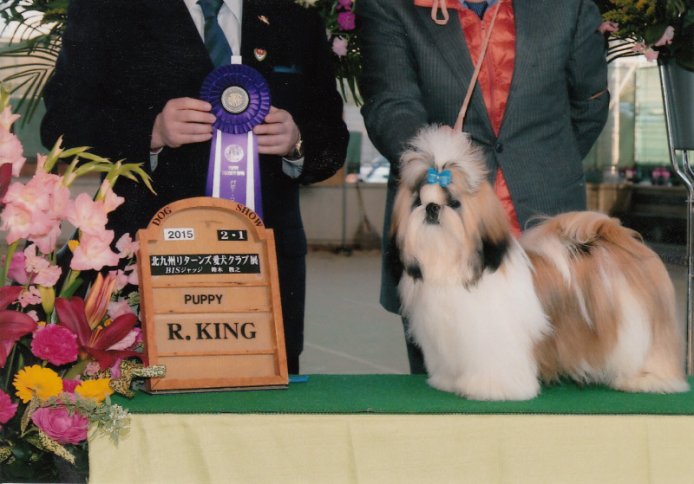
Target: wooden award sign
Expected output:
[210,298]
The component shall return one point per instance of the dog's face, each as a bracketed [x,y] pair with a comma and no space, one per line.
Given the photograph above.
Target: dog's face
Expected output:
[447,222]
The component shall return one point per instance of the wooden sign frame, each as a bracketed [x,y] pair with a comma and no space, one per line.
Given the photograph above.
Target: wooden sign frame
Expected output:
[210,301]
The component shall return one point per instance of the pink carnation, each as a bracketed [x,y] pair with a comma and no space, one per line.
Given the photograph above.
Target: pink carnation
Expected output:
[29,297]
[17,272]
[346,20]
[69,385]
[340,46]
[7,408]
[59,425]
[56,344]
[44,274]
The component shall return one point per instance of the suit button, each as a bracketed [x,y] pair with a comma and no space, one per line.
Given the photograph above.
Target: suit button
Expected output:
[499,148]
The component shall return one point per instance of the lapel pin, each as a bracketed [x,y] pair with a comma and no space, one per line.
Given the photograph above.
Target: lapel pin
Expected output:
[260,54]
[264,19]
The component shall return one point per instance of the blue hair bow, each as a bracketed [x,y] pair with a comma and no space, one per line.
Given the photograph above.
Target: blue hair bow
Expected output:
[443,178]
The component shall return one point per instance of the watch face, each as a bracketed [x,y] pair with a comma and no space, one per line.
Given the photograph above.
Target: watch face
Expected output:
[298,151]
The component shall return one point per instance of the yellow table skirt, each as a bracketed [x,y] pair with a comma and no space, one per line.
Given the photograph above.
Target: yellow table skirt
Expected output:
[353,448]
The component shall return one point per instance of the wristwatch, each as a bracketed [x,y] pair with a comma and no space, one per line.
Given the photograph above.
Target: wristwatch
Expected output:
[297,152]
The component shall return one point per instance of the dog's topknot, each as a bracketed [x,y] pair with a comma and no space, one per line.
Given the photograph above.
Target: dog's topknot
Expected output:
[442,148]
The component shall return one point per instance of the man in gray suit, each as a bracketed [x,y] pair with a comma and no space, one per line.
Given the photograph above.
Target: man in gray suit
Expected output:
[539,105]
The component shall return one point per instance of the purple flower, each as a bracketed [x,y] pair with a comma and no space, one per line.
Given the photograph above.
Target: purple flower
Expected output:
[346,20]
[344,4]
[7,408]
[56,344]
[60,425]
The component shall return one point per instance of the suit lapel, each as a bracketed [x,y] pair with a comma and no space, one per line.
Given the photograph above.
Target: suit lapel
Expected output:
[173,26]
[450,43]
[256,26]
[524,16]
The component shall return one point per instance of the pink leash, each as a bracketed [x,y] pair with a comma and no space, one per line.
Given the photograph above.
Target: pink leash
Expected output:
[441,5]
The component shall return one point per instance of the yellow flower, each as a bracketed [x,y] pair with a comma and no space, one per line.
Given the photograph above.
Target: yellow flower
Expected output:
[36,381]
[96,390]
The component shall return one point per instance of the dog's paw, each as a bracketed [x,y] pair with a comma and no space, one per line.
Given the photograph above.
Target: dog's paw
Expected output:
[497,389]
[650,383]
[445,384]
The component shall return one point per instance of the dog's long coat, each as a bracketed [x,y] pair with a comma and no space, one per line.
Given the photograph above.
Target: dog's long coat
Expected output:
[579,295]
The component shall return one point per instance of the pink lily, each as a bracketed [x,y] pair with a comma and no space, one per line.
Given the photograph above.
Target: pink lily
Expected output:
[13,324]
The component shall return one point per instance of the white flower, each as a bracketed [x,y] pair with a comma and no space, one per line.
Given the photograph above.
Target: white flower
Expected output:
[306,3]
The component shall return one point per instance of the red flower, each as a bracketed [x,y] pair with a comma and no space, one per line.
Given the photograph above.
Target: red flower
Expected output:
[5,178]
[13,324]
[95,343]
[7,408]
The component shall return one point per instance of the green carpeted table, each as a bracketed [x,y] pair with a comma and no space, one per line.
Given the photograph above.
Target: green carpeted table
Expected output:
[394,428]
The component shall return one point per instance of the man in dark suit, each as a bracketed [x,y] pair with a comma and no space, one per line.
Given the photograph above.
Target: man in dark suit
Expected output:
[127,83]
[539,105]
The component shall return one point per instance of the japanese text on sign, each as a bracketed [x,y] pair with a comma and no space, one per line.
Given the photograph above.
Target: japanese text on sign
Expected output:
[182,264]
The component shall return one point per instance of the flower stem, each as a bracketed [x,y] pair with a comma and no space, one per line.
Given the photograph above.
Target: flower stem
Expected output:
[9,373]
[69,282]
[75,370]
[11,249]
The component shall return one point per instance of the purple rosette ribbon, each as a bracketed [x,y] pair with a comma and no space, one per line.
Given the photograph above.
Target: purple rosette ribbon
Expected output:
[240,99]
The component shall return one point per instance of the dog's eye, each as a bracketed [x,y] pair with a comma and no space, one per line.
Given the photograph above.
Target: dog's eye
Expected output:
[451,201]
[417,201]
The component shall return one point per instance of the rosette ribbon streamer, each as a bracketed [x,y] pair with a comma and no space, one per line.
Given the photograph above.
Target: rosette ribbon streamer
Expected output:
[240,99]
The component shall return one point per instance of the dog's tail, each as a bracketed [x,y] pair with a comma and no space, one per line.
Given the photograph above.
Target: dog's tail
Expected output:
[613,272]
[582,231]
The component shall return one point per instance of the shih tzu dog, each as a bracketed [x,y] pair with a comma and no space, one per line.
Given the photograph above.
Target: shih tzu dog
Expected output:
[577,296]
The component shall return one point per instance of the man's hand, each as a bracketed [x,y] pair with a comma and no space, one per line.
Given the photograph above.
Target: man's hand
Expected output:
[278,134]
[182,121]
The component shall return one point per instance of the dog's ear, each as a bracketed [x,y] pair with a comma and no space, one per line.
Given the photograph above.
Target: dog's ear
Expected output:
[487,230]
[393,255]
[413,165]
[402,209]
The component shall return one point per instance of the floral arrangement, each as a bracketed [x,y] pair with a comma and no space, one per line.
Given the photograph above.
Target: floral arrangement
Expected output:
[339,19]
[61,355]
[650,27]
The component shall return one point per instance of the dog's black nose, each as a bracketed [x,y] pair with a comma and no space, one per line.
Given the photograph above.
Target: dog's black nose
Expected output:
[433,210]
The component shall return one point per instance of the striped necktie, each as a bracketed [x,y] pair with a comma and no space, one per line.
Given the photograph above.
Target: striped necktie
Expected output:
[215,41]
